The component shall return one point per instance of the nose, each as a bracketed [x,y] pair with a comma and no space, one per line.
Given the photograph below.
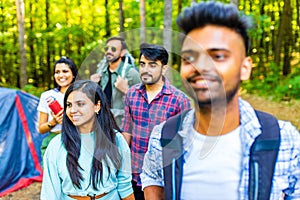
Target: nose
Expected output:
[203,63]
[73,109]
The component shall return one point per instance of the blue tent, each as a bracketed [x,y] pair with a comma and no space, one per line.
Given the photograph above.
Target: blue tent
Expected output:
[20,141]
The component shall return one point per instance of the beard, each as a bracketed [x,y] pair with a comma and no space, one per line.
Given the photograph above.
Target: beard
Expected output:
[216,95]
[219,98]
[149,80]
[111,58]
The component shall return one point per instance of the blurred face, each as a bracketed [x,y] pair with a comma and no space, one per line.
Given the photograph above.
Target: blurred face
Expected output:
[151,71]
[213,63]
[113,51]
[81,111]
[63,75]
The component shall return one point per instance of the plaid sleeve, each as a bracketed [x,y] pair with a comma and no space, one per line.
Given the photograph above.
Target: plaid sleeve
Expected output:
[126,122]
[290,139]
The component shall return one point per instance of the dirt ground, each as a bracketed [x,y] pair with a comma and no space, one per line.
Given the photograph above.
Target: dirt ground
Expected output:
[285,110]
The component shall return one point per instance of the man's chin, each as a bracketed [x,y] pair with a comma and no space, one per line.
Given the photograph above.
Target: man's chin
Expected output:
[204,103]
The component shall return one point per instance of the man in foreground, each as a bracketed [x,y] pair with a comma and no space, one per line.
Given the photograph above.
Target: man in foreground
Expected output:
[218,134]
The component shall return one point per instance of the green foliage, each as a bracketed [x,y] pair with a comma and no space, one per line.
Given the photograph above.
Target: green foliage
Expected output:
[274,85]
[76,28]
[33,90]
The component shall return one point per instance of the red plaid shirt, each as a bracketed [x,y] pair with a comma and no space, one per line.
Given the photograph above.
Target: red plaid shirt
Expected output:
[141,117]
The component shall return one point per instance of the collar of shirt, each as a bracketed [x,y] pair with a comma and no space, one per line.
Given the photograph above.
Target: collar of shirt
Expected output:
[166,89]
[250,126]
[118,71]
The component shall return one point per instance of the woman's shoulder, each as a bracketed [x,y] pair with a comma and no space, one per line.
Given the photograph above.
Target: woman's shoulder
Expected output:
[56,142]
[120,140]
[55,149]
[119,136]
[52,92]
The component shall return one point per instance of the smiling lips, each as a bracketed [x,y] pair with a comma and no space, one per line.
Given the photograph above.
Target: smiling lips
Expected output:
[146,76]
[75,117]
[62,80]
[201,82]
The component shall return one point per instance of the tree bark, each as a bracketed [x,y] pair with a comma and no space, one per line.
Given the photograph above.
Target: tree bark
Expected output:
[284,38]
[121,17]
[48,51]
[107,21]
[143,21]
[168,32]
[288,37]
[21,28]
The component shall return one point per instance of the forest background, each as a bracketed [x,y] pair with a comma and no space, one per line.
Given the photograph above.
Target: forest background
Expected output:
[35,33]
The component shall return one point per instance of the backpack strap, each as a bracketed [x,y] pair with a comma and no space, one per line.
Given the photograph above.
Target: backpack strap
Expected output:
[172,150]
[263,156]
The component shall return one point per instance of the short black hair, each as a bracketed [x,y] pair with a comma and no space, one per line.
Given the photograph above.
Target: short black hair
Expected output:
[122,40]
[154,52]
[215,13]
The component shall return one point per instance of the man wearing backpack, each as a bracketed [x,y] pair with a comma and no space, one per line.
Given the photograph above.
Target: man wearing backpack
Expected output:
[225,149]
[115,74]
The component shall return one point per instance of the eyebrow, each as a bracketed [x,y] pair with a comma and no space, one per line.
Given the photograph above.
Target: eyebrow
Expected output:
[187,51]
[78,101]
[151,62]
[208,50]
[217,49]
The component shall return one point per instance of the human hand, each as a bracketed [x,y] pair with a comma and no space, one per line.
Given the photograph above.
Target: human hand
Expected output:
[95,77]
[122,84]
[57,119]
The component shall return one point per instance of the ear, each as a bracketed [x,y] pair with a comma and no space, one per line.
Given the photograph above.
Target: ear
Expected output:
[246,68]
[164,69]
[97,107]
[123,52]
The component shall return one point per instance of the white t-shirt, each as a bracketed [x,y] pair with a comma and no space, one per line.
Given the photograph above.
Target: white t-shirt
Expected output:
[212,167]
[43,105]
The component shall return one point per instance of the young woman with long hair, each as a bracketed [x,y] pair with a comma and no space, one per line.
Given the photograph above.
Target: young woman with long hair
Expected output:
[90,159]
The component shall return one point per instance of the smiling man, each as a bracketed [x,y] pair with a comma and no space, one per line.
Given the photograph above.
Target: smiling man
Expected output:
[217,136]
[148,104]
[116,75]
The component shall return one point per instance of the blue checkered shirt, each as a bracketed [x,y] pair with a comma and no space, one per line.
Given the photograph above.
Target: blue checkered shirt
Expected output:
[286,177]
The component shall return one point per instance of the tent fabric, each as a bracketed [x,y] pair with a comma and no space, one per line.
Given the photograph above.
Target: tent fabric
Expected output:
[20,141]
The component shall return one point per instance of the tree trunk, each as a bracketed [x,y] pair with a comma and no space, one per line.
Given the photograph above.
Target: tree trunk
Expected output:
[107,21]
[80,42]
[143,21]
[288,37]
[48,76]
[2,50]
[68,36]
[297,35]
[168,32]
[21,28]
[32,58]
[121,18]
[284,37]
[168,28]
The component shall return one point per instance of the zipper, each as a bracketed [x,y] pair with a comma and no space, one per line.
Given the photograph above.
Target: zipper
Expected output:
[173,179]
[255,175]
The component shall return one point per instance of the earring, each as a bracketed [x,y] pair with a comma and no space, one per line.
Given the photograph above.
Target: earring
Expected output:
[97,112]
